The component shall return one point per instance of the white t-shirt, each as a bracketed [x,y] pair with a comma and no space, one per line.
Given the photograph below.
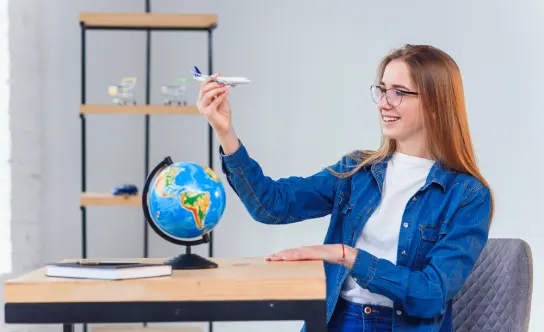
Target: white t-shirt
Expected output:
[404,176]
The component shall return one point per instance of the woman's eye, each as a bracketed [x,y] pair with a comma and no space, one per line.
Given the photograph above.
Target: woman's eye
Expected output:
[400,92]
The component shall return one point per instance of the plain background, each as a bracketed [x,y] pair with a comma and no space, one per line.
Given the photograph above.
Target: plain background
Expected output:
[311,64]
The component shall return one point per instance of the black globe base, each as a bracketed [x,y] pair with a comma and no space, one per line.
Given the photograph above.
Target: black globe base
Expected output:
[190,261]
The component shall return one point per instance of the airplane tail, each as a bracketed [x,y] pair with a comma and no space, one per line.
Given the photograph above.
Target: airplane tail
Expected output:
[196,72]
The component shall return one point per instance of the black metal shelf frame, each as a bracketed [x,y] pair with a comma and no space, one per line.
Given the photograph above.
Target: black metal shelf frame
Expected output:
[84,29]
[147,116]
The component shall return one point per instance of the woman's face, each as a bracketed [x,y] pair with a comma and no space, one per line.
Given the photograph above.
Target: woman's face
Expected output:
[402,116]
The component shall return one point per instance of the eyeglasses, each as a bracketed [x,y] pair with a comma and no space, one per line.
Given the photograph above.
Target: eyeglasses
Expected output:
[392,95]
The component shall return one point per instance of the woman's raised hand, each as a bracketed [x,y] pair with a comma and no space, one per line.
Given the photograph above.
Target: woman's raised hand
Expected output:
[212,102]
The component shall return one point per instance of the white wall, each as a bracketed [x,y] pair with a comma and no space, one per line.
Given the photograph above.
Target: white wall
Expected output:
[5,145]
[23,188]
[319,96]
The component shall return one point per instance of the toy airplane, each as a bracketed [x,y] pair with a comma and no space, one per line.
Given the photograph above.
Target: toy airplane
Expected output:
[232,81]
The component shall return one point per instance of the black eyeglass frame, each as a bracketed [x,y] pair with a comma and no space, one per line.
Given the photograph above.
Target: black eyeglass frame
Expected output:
[384,93]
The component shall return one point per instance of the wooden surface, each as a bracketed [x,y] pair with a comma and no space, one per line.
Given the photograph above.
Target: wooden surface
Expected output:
[145,329]
[148,20]
[234,279]
[138,109]
[101,199]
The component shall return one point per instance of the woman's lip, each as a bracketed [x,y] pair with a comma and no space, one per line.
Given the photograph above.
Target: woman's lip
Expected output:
[390,119]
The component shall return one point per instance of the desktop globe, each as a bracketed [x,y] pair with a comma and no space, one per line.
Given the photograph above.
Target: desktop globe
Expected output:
[183,202]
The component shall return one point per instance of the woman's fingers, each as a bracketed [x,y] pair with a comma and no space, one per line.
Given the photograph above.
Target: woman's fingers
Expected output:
[208,88]
[288,254]
[221,98]
[207,97]
[204,86]
[211,95]
[296,254]
[274,257]
[211,85]
[208,81]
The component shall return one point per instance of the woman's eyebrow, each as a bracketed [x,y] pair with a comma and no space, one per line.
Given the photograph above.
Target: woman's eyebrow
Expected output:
[396,86]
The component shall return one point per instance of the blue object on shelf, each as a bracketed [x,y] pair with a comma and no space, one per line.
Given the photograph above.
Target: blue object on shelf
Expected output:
[125,190]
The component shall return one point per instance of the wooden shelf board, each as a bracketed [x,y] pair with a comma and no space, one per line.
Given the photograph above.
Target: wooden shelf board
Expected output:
[148,20]
[102,199]
[145,329]
[138,109]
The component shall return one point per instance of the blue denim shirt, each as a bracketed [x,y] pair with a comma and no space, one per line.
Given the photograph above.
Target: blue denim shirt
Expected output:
[444,229]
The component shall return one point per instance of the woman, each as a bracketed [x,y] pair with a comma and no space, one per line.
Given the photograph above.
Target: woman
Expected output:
[408,221]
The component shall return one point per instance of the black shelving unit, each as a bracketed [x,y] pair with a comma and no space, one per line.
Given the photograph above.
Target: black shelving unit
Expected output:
[148,22]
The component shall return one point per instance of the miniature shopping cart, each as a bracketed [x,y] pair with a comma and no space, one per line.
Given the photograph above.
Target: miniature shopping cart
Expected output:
[176,93]
[123,93]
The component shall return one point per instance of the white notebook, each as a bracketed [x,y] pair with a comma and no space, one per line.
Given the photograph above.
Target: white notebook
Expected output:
[107,270]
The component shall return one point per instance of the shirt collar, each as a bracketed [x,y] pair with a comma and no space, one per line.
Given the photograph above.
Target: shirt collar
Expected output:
[439,174]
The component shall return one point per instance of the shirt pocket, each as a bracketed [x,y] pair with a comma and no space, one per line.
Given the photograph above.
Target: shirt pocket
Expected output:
[342,213]
[429,235]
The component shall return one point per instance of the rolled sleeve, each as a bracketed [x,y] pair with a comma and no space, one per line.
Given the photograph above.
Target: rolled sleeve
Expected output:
[235,159]
[364,267]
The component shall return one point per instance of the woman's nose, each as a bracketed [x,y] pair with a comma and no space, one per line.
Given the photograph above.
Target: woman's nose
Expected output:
[383,103]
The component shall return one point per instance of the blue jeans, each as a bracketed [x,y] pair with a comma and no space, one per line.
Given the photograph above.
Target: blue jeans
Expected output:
[351,317]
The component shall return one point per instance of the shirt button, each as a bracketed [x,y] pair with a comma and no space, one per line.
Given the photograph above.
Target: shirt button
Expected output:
[414,198]
[403,253]
[355,279]
[399,312]
[405,225]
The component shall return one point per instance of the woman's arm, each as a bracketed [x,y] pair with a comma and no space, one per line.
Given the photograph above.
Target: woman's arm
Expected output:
[281,201]
[425,293]
[268,201]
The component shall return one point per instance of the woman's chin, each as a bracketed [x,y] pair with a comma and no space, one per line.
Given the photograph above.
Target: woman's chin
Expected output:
[390,134]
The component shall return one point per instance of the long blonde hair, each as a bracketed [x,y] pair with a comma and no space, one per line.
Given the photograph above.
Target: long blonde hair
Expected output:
[440,87]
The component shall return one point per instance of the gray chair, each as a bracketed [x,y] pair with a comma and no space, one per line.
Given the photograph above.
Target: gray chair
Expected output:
[497,295]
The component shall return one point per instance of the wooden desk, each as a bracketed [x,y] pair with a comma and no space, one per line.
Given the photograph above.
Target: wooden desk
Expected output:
[240,289]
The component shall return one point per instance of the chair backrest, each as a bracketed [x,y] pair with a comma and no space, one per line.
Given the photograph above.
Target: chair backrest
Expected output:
[497,294]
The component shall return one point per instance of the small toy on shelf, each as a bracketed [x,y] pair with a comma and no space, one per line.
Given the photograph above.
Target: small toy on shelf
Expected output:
[125,190]
[175,94]
[123,93]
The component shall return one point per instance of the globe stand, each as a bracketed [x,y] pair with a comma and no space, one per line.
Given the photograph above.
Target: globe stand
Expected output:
[185,261]
[189,260]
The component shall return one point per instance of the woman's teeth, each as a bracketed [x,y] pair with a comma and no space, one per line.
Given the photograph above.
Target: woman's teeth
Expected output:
[390,118]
